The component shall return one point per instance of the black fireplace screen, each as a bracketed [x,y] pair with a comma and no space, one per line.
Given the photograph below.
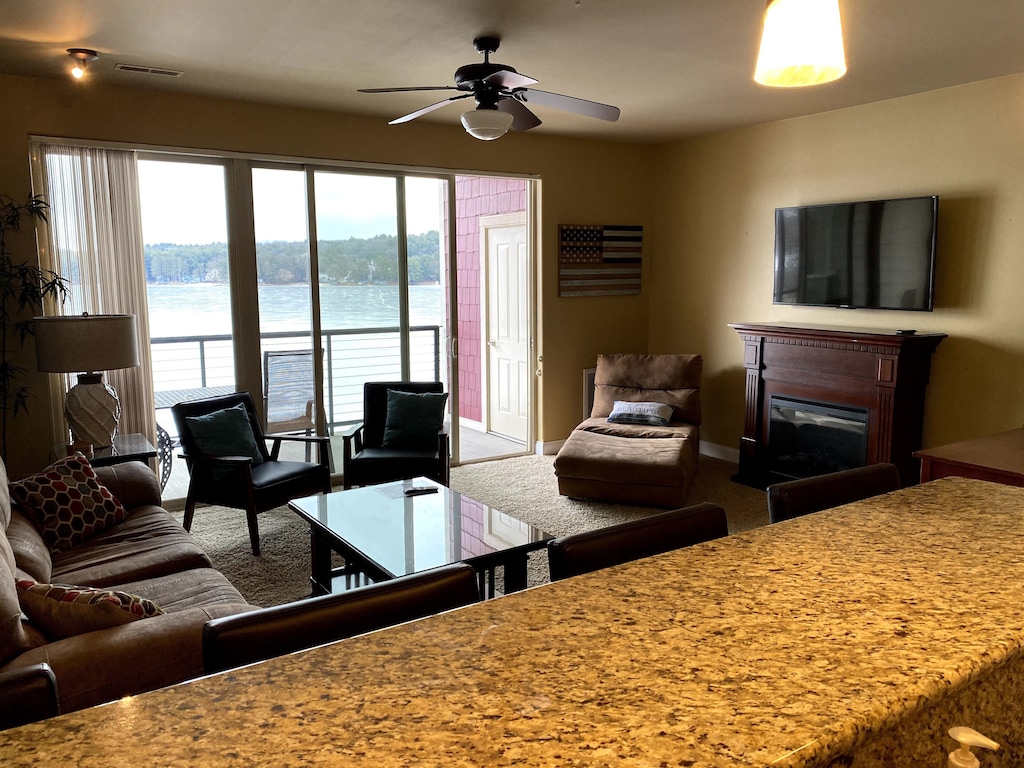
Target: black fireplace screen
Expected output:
[814,438]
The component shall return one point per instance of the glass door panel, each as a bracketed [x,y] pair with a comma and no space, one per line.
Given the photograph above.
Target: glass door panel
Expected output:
[184,229]
[360,292]
[285,315]
[428,278]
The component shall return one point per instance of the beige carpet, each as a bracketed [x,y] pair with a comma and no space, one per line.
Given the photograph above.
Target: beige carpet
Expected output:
[523,486]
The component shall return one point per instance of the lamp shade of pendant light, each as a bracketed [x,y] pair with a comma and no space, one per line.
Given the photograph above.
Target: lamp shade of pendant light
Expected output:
[81,57]
[802,44]
[487,124]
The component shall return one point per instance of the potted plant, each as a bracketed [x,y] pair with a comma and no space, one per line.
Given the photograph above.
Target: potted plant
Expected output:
[23,288]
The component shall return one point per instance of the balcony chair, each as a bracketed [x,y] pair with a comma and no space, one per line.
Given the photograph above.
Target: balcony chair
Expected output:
[640,444]
[400,437]
[245,638]
[794,498]
[288,389]
[602,548]
[226,453]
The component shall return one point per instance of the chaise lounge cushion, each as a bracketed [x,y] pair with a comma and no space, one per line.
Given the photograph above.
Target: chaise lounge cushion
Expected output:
[651,464]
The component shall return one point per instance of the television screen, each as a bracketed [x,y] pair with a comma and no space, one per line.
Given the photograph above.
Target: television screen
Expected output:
[877,254]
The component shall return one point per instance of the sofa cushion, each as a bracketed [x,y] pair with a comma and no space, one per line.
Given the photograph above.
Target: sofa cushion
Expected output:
[194,588]
[651,414]
[64,610]
[625,460]
[671,379]
[413,419]
[150,542]
[14,638]
[69,501]
[30,551]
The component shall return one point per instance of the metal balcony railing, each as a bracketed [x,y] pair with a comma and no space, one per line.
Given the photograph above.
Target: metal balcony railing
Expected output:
[187,367]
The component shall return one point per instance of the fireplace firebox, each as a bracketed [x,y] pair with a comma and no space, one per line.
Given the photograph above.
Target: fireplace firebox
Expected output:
[865,387]
[807,439]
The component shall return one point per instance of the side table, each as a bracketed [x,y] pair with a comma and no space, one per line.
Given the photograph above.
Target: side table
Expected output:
[998,458]
[130,447]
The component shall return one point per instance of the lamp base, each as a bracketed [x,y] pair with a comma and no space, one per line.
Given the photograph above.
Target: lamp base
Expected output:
[93,410]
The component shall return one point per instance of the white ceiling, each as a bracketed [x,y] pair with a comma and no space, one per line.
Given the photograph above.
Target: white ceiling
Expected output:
[674,67]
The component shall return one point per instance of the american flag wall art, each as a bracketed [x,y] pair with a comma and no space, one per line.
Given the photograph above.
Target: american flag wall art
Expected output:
[599,260]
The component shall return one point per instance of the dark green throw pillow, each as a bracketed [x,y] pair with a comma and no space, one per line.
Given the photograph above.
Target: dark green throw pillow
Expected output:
[414,419]
[225,433]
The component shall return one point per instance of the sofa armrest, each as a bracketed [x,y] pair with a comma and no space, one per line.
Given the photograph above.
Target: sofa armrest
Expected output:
[132,482]
[27,694]
[129,659]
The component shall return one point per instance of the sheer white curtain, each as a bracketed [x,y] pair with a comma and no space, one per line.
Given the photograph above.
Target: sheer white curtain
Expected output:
[94,240]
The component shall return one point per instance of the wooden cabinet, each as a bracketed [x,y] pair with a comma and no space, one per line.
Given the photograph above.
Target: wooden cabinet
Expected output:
[882,373]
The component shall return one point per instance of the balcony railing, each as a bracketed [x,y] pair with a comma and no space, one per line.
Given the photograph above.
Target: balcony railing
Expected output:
[198,366]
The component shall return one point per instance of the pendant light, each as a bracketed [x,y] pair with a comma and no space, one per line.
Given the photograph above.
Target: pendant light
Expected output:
[802,43]
[81,57]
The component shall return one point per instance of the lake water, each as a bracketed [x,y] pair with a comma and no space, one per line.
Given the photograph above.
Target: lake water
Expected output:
[204,308]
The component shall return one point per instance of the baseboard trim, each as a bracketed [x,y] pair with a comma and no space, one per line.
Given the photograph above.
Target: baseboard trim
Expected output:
[720,452]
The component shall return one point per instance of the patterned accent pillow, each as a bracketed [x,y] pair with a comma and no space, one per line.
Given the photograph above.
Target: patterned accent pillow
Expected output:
[651,414]
[68,501]
[63,610]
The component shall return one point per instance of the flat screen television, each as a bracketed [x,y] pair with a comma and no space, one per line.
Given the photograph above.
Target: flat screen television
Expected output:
[876,254]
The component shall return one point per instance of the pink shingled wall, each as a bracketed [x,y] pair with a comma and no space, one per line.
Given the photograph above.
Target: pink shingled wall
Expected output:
[476,196]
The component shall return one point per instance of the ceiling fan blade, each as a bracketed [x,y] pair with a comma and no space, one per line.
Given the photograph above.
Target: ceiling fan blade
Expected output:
[506,79]
[522,118]
[425,110]
[571,104]
[413,88]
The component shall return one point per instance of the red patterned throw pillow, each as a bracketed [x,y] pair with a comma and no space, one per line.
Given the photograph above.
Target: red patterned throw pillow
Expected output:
[62,610]
[68,501]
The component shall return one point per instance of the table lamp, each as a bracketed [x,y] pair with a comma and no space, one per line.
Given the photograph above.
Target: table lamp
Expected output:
[88,345]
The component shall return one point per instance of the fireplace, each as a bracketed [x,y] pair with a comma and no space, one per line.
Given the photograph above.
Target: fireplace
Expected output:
[858,393]
[807,439]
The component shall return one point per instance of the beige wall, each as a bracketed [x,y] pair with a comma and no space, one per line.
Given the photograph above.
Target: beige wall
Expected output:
[583,182]
[714,229]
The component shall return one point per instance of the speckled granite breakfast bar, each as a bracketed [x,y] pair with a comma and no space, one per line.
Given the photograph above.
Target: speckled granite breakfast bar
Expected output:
[856,636]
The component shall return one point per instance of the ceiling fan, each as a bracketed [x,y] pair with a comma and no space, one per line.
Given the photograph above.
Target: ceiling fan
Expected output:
[501,96]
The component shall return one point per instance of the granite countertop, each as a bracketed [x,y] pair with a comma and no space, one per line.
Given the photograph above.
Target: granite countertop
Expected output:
[778,646]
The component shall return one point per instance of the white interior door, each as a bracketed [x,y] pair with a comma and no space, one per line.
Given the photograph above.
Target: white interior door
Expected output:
[507,347]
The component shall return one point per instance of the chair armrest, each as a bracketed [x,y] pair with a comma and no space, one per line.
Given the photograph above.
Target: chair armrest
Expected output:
[246,638]
[27,694]
[321,441]
[352,441]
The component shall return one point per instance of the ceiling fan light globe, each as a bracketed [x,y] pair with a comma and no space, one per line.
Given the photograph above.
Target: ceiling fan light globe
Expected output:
[486,124]
[801,44]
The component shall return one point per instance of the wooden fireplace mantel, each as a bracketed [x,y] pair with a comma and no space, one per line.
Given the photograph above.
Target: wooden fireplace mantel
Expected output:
[884,372]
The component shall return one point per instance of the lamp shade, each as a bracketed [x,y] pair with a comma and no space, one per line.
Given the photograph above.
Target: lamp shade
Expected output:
[77,343]
[801,44]
[487,124]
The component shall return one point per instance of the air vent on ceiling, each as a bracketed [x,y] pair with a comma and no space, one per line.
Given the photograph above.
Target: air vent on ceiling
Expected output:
[141,70]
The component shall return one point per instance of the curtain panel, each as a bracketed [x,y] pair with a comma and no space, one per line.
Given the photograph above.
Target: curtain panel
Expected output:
[93,238]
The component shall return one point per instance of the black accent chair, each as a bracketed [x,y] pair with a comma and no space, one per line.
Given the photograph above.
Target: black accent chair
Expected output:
[233,641]
[234,480]
[365,461]
[27,694]
[593,550]
[794,498]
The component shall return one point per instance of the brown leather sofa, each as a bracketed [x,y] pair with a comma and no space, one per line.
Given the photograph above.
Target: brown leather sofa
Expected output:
[148,554]
[634,463]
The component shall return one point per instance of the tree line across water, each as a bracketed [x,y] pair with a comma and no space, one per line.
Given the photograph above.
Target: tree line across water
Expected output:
[355,261]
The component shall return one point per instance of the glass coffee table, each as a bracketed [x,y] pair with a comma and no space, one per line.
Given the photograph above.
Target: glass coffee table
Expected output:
[393,529]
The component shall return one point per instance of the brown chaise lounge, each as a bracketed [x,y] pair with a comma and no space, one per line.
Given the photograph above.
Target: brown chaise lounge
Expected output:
[636,463]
